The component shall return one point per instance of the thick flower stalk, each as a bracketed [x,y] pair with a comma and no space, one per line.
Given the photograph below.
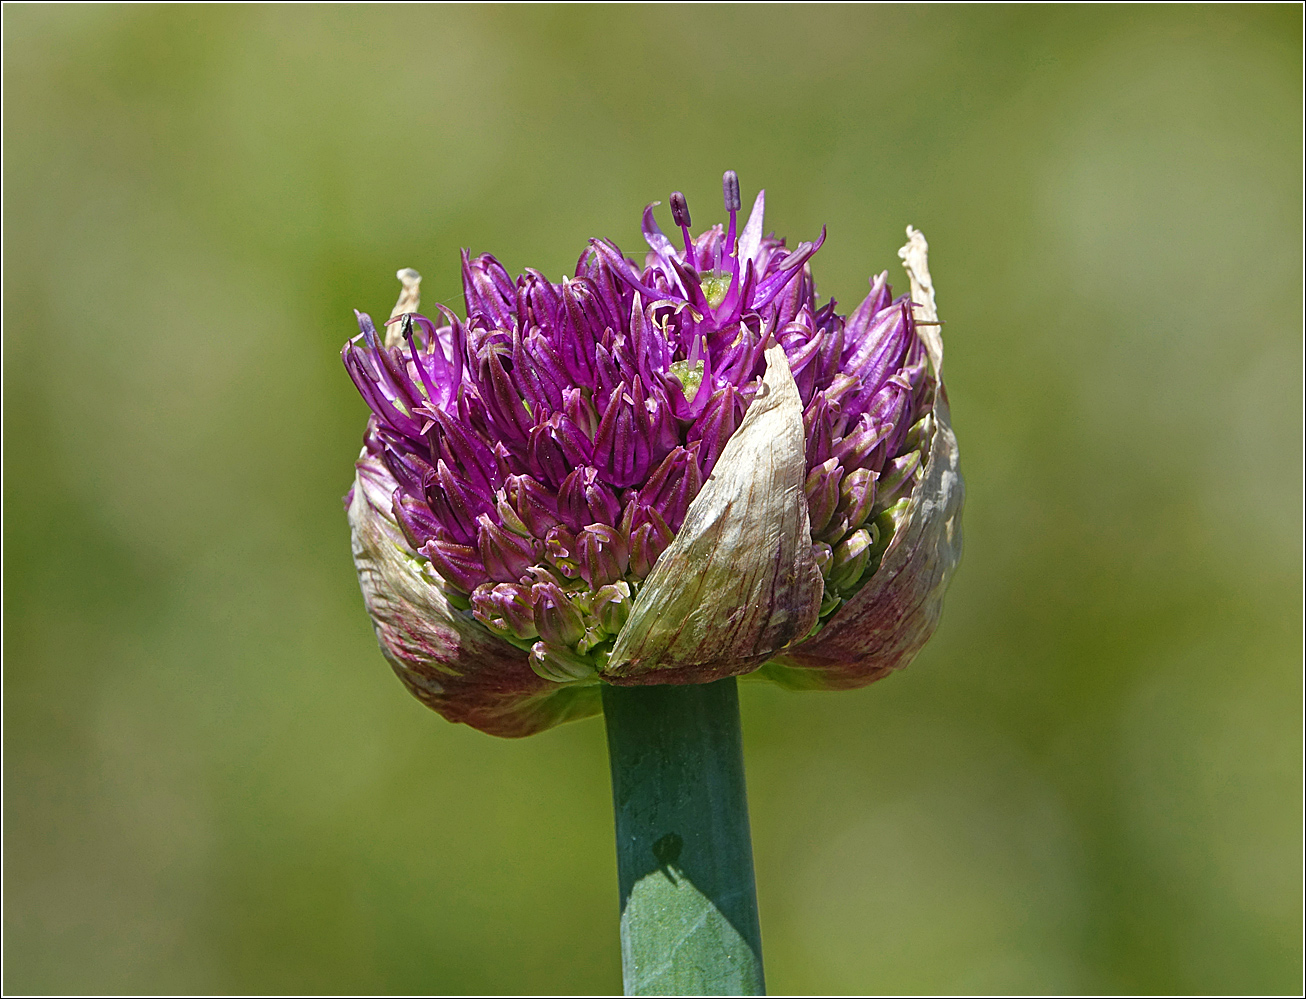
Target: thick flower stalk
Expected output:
[664,473]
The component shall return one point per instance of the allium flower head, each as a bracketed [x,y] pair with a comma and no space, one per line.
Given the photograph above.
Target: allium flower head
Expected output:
[667,473]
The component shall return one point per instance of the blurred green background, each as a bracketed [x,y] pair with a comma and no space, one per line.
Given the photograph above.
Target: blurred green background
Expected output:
[1089,781]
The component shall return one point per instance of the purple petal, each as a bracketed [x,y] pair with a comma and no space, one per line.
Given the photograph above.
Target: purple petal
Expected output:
[459,565]
[655,237]
[506,556]
[751,239]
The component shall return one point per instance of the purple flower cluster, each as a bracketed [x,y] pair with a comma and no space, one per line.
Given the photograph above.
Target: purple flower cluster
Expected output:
[546,449]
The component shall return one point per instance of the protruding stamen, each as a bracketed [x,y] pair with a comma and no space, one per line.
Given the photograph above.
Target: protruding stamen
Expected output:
[679,210]
[730,187]
[680,216]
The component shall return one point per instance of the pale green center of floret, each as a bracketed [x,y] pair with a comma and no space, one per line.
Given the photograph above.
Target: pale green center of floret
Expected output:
[690,375]
[715,287]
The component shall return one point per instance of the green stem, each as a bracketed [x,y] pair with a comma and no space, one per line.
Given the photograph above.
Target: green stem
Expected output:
[684,856]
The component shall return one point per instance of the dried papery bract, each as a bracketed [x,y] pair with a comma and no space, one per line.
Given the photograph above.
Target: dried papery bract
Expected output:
[740,581]
[892,616]
[445,658]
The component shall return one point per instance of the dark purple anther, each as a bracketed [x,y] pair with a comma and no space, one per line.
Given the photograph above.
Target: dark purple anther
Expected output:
[680,210]
[730,188]
[680,216]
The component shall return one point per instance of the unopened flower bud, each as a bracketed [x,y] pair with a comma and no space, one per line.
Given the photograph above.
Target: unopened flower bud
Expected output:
[648,542]
[602,555]
[897,474]
[506,555]
[823,555]
[506,609]
[557,619]
[857,495]
[612,606]
[560,665]
[850,560]
[822,491]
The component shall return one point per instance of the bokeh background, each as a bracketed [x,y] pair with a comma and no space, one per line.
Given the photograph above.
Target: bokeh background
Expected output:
[1089,781]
